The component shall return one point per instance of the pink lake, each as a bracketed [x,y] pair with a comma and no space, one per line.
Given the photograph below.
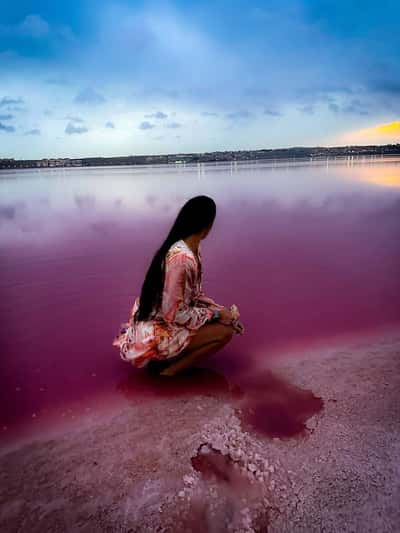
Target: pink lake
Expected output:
[308,251]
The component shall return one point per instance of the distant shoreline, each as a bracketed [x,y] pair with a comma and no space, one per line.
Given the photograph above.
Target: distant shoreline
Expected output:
[297,153]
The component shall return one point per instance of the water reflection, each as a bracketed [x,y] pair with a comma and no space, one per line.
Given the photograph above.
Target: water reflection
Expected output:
[264,402]
[191,382]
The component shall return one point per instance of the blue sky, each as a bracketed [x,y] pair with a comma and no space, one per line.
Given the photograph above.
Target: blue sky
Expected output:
[118,78]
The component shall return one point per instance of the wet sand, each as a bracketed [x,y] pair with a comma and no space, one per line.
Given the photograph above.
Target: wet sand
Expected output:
[317,449]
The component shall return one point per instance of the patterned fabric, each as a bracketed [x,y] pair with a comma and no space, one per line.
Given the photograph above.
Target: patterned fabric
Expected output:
[184,309]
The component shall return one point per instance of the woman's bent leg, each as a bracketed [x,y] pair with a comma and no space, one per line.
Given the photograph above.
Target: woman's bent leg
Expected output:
[214,332]
[208,341]
[191,358]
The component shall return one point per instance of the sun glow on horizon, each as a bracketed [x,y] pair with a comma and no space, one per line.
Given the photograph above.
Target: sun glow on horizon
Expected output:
[389,132]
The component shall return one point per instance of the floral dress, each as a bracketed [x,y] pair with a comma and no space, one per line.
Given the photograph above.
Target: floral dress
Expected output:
[184,309]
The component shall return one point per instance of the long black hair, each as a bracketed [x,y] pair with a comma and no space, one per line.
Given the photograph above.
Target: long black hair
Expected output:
[197,214]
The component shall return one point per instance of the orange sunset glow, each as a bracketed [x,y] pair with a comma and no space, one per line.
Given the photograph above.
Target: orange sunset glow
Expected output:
[387,133]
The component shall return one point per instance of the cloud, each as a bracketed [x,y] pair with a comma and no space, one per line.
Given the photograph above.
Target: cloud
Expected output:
[6,128]
[16,108]
[355,106]
[239,115]
[173,125]
[75,119]
[162,35]
[33,41]
[272,113]
[70,129]
[208,114]
[145,125]
[89,96]
[6,117]
[6,101]
[159,114]
[308,109]
[34,131]
[34,26]
[109,124]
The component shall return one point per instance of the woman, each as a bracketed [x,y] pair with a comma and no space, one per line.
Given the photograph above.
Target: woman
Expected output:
[173,324]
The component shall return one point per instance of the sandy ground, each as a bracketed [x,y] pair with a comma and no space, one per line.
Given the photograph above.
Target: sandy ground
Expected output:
[190,464]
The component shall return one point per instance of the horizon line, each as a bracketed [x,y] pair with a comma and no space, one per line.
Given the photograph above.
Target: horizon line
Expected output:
[211,152]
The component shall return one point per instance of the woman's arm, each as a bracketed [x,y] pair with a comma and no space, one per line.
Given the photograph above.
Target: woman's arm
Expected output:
[203,298]
[179,279]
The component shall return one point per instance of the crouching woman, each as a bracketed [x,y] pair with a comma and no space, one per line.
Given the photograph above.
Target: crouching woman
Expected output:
[173,324]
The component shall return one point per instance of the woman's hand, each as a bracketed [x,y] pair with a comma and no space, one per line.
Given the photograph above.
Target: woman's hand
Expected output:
[225,316]
[238,326]
[235,311]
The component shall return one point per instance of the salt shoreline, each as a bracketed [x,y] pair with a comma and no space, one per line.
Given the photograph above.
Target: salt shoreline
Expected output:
[135,468]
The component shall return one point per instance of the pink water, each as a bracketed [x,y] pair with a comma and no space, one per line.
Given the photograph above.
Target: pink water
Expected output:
[307,252]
